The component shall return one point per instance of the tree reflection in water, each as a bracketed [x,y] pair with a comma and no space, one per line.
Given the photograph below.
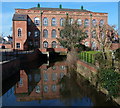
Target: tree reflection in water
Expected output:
[74,87]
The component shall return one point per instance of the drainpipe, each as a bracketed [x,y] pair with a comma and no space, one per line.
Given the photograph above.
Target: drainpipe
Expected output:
[41,29]
[90,30]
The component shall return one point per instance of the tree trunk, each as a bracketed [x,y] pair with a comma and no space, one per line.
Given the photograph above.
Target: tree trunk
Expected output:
[72,59]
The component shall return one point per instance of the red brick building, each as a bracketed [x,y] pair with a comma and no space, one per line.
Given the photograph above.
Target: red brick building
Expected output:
[39,27]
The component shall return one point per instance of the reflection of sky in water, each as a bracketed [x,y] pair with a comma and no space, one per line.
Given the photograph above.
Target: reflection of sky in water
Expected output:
[9,99]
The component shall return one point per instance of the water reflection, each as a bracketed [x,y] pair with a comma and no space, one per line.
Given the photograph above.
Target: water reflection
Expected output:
[53,84]
[40,83]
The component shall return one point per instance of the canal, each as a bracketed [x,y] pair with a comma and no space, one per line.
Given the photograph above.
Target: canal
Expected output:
[50,84]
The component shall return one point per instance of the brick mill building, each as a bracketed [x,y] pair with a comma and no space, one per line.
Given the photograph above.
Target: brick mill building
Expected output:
[39,27]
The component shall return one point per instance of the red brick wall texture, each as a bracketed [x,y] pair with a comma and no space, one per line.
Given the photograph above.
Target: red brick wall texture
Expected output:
[24,39]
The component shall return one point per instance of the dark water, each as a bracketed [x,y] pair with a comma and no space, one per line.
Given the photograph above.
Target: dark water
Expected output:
[50,84]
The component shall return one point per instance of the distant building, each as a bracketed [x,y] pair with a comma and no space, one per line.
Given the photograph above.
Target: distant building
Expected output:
[39,27]
[6,42]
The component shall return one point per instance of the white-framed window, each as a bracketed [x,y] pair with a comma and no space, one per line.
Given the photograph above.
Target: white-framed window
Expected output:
[86,44]
[71,21]
[101,22]
[79,22]
[54,44]
[54,76]
[37,89]
[19,32]
[53,23]
[54,88]
[29,33]
[45,21]
[53,33]
[45,33]
[36,33]
[37,21]
[94,22]
[62,67]
[46,88]
[61,21]
[17,45]
[45,44]
[93,33]
[86,23]
[93,45]
[29,21]
[61,75]
[45,76]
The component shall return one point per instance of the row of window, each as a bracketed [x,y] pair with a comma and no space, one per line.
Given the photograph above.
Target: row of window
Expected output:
[54,76]
[54,21]
[45,44]
[53,33]
[93,44]
[46,88]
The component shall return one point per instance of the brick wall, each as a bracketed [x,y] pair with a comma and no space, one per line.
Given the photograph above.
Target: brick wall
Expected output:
[88,71]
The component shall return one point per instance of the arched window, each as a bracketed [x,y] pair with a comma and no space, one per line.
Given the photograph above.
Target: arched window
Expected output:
[79,22]
[37,21]
[86,23]
[54,88]
[36,33]
[86,44]
[87,33]
[101,22]
[37,89]
[71,21]
[53,22]
[19,32]
[61,75]
[61,33]
[93,33]
[45,75]
[45,21]
[53,33]
[94,23]
[29,33]
[93,45]
[45,88]
[29,21]
[54,76]
[45,33]
[61,21]
[54,44]
[45,44]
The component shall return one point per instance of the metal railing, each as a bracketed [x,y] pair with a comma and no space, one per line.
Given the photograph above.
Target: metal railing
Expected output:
[87,57]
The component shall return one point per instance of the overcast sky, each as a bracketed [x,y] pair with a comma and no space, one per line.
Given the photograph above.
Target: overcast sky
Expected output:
[8,9]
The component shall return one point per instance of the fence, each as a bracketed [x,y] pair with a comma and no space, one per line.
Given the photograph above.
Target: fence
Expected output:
[8,55]
[87,57]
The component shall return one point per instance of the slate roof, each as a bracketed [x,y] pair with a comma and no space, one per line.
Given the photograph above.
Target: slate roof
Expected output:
[19,17]
[58,9]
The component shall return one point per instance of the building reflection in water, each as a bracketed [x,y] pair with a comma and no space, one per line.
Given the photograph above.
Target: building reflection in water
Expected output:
[40,83]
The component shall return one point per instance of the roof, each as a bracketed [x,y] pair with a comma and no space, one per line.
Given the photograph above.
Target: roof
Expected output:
[59,9]
[19,17]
